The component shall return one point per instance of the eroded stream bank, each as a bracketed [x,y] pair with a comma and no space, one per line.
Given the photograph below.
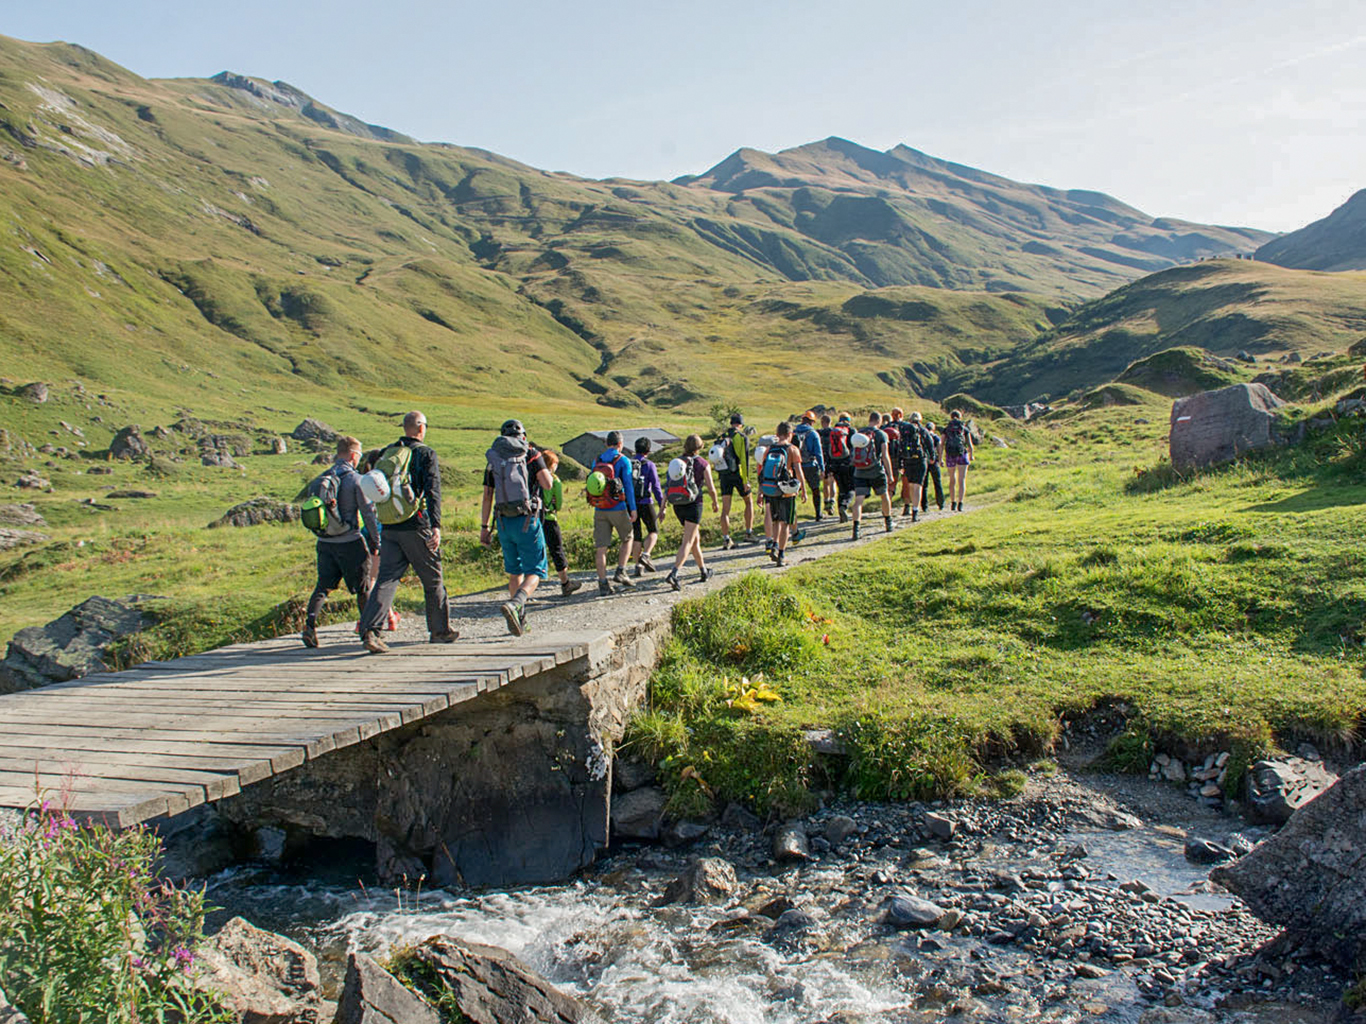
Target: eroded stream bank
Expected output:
[1073,901]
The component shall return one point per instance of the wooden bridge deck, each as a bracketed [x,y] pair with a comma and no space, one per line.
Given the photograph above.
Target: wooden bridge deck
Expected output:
[131,746]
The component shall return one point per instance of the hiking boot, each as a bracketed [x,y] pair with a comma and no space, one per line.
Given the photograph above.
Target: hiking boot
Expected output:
[830,508]
[569,586]
[706,574]
[773,552]
[855,536]
[727,543]
[941,507]
[887,524]
[647,562]
[604,588]
[638,571]
[672,580]
[516,616]
[844,515]
[797,537]
[309,635]
[371,642]
[905,511]
[915,515]
[621,579]
[750,538]
[778,562]
[449,636]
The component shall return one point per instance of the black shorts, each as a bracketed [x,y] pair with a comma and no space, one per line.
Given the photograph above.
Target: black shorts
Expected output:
[341,562]
[646,522]
[872,485]
[784,508]
[914,470]
[690,513]
[729,482]
[554,544]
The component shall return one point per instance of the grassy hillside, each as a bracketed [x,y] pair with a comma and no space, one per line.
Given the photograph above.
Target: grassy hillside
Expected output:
[1221,307]
[1337,242]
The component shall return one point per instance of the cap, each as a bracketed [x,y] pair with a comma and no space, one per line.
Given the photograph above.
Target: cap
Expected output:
[736,419]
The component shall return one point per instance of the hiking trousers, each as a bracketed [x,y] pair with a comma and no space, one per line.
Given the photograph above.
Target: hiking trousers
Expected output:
[399,549]
[338,563]
[932,473]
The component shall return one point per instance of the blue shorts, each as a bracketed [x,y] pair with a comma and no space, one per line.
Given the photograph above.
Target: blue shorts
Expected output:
[523,546]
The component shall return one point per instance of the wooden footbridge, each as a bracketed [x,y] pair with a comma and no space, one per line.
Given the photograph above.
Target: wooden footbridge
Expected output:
[156,740]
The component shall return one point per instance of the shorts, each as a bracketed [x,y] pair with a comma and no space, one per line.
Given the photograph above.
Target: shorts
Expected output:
[523,546]
[605,523]
[729,481]
[873,485]
[554,544]
[646,522]
[813,478]
[956,460]
[690,513]
[914,471]
[784,508]
[342,562]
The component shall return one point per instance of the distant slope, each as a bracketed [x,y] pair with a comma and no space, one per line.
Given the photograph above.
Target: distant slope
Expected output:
[1338,242]
[1220,306]
[902,217]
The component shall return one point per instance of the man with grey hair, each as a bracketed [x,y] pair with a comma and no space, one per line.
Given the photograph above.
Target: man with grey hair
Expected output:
[411,517]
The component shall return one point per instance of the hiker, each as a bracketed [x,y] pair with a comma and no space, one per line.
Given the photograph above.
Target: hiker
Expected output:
[649,496]
[934,461]
[612,493]
[872,470]
[916,449]
[783,486]
[411,517]
[957,457]
[515,477]
[808,443]
[891,426]
[734,476]
[842,462]
[343,550]
[684,483]
[827,477]
[552,500]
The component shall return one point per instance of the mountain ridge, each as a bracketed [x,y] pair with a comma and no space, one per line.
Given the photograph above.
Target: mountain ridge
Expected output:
[1336,242]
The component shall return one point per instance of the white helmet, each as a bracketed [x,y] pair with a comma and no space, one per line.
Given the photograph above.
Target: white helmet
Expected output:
[374,486]
[859,440]
[677,468]
[717,455]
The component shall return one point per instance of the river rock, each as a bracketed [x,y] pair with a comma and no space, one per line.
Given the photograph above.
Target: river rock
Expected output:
[21,515]
[839,828]
[1277,788]
[706,880]
[491,986]
[940,825]
[371,995]
[129,443]
[1218,426]
[1205,851]
[73,645]
[639,813]
[629,774]
[906,911]
[790,844]
[1310,877]
[681,833]
[739,816]
[19,538]
[35,392]
[256,511]
[314,430]
[265,978]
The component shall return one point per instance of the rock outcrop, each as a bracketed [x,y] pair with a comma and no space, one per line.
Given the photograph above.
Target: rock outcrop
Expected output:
[129,443]
[1218,426]
[21,515]
[9,1013]
[371,995]
[35,392]
[315,431]
[256,511]
[1277,788]
[491,986]
[1310,878]
[73,645]
[265,978]
[18,538]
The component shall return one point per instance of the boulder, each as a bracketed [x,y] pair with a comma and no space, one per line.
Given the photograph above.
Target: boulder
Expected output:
[29,480]
[706,880]
[906,911]
[639,813]
[629,774]
[1206,851]
[1277,788]
[265,978]
[940,825]
[35,392]
[129,443]
[1310,878]
[129,493]
[491,986]
[371,995]
[256,511]
[314,430]
[790,844]
[9,1013]
[839,828]
[219,458]
[1217,426]
[18,538]
[278,446]
[73,645]
[21,515]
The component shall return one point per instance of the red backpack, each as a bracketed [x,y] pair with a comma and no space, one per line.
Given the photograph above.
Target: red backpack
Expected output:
[867,457]
[615,492]
[839,444]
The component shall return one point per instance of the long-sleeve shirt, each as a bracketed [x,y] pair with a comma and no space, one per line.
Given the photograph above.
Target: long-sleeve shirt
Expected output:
[352,505]
[812,452]
[622,466]
[649,472]
[425,473]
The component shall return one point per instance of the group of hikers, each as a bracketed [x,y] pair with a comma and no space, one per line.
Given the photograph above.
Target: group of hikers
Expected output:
[378,514]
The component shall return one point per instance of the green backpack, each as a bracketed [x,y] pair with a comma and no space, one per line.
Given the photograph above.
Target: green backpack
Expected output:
[395,464]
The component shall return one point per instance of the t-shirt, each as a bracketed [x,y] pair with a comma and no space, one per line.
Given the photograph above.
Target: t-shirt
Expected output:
[825,444]
[879,440]
[534,465]
[552,500]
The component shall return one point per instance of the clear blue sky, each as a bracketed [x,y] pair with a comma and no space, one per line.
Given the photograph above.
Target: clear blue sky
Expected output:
[1225,111]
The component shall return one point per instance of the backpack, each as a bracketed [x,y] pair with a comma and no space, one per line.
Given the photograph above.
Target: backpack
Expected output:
[614,493]
[638,481]
[811,447]
[955,438]
[319,510]
[839,444]
[512,495]
[775,476]
[733,453]
[867,456]
[893,430]
[913,443]
[680,486]
[395,465]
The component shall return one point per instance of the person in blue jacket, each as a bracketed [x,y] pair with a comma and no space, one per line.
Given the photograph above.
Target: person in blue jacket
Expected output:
[614,512]
[808,442]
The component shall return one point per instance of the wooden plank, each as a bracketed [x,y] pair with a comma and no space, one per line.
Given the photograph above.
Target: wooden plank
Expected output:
[121,809]
[59,730]
[310,711]
[179,798]
[216,785]
[226,720]
[160,691]
[412,707]
[245,771]
[277,758]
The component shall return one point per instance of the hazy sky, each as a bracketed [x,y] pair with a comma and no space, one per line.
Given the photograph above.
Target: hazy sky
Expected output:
[1228,111]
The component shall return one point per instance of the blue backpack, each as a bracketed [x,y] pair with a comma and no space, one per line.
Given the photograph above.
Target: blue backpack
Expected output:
[811,447]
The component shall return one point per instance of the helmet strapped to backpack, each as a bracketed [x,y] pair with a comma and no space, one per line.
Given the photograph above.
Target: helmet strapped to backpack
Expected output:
[865,451]
[608,491]
[395,465]
[680,483]
[775,475]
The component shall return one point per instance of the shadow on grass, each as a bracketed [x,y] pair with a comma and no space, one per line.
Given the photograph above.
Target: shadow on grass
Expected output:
[1315,499]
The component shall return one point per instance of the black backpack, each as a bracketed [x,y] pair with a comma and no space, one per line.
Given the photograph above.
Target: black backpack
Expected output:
[955,438]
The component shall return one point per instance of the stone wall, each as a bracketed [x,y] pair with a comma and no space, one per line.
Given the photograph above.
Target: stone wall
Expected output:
[512,787]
